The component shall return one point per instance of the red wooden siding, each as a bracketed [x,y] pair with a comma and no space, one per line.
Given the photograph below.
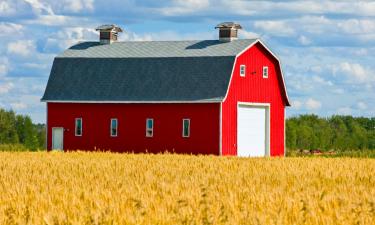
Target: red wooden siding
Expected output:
[204,127]
[256,89]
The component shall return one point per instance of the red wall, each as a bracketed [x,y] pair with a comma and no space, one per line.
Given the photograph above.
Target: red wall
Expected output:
[256,89]
[204,127]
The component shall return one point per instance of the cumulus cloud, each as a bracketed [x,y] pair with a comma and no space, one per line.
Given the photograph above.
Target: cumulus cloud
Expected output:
[344,111]
[10,29]
[78,5]
[40,7]
[362,105]
[303,40]
[297,104]
[180,7]
[4,66]
[248,34]
[312,104]
[277,28]
[354,72]
[18,105]
[6,8]
[6,87]
[21,47]
[69,36]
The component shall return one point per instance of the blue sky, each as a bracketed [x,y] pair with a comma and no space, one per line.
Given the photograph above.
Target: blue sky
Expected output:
[327,47]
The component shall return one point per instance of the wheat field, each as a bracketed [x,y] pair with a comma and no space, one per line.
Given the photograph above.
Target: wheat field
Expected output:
[107,188]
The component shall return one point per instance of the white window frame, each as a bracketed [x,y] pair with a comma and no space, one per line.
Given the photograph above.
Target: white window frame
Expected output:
[183,128]
[110,131]
[265,72]
[75,127]
[242,70]
[149,129]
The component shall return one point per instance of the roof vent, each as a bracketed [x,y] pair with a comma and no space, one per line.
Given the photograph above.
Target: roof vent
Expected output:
[228,31]
[108,33]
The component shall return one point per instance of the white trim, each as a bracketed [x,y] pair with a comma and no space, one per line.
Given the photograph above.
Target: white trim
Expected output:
[183,127]
[268,122]
[62,141]
[250,46]
[46,141]
[110,131]
[152,128]
[220,129]
[265,69]
[131,102]
[242,66]
[284,134]
[75,127]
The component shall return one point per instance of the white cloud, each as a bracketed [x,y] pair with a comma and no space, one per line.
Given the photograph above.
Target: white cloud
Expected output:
[303,40]
[354,72]
[40,7]
[297,104]
[345,111]
[275,27]
[18,105]
[21,47]
[5,8]
[248,35]
[68,37]
[312,104]
[4,66]
[357,26]
[322,81]
[180,7]
[362,105]
[5,88]
[10,29]
[78,5]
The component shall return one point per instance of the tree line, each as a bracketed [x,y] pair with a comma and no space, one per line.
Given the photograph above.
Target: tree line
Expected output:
[302,132]
[331,133]
[19,129]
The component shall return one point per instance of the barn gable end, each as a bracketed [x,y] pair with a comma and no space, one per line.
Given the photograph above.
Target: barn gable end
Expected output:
[255,91]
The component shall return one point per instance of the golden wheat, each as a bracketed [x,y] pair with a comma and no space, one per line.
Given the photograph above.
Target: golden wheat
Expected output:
[107,188]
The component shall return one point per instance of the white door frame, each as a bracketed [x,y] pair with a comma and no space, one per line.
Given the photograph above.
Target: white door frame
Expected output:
[62,139]
[267,106]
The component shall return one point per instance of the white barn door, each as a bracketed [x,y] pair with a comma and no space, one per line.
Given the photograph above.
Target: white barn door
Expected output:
[252,130]
[57,138]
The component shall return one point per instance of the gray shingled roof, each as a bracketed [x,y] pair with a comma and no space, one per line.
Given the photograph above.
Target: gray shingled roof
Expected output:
[144,71]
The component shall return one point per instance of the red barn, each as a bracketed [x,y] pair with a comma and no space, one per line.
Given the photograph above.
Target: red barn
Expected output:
[221,97]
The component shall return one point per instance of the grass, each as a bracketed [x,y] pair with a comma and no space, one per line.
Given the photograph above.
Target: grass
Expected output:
[107,188]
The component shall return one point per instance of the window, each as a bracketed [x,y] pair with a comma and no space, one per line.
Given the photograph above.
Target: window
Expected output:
[242,70]
[114,126]
[186,128]
[78,127]
[265,71]
[149,127]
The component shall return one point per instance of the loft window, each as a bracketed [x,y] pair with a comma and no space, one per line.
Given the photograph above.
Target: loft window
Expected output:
[186,128]
[149,127]
[242,70]
[78,127]
[265,71]
[114,127]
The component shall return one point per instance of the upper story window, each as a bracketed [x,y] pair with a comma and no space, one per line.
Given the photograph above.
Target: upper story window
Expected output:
[114,127]
[149,127]
[78,127]
[186,128]
[242,70]
[265,71]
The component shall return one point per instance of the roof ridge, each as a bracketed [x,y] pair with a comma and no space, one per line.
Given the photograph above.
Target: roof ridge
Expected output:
[143,41]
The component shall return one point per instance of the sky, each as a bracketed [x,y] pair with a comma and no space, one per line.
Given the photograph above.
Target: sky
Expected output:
[327,47]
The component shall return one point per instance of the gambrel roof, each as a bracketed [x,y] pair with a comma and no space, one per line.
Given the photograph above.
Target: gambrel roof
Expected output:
[150,71]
